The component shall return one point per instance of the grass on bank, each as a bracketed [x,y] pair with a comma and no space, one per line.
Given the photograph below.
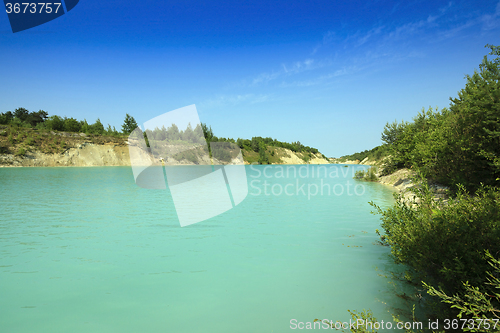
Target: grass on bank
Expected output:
[20,140]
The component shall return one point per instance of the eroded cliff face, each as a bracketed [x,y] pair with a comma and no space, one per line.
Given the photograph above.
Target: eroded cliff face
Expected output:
[90,154]
[289,157]
[117,154]
[86,154]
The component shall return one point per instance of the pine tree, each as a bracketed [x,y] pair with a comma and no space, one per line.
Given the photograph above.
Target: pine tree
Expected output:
[129,124]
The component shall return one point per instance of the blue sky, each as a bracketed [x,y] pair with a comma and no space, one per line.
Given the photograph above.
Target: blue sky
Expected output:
[329,74]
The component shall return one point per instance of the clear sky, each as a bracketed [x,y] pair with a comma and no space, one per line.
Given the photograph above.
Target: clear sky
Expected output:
[326,73]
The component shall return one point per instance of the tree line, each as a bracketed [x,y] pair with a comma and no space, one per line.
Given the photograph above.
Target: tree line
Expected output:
[459,144]
[258,144]
[173,133]
[21,117]
[375,153]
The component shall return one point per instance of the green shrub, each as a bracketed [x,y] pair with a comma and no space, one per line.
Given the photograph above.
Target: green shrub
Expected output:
[389,166]
[306,157]
[223,151]
[29,141]
[55,123]
[444,244]
[71,125]
[188,155]
[96,128]
[263,157]
[371,175]
[16,123]
[477,303]
[365,322]
[360,174]
[112,131]
[368,175]
[85,128]
[5,118]
[20,151]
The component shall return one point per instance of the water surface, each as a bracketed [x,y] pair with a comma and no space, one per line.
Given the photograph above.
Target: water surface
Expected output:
[86,250]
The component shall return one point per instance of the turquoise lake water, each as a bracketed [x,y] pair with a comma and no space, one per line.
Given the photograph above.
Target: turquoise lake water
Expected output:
[87,250]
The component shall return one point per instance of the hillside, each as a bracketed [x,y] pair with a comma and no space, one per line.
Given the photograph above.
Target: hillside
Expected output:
[23,146]
[373,156]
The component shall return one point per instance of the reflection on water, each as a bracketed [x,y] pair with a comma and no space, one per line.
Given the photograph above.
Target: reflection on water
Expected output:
[85,249]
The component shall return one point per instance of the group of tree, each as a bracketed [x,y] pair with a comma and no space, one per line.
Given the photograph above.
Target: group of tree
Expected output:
[257,142]
[452,247]
[24,116]
[376,153]
[172,133]
[21,117]
[459,144]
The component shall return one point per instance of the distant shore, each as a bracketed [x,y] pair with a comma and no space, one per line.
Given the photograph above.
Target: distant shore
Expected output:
[112,154]
[32,147]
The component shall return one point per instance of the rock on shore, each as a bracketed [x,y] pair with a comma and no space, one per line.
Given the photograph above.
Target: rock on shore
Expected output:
[401,180]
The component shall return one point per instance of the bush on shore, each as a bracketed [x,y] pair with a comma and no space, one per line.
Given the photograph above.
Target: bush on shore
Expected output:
[446,245]
[368,175]
[452,248]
